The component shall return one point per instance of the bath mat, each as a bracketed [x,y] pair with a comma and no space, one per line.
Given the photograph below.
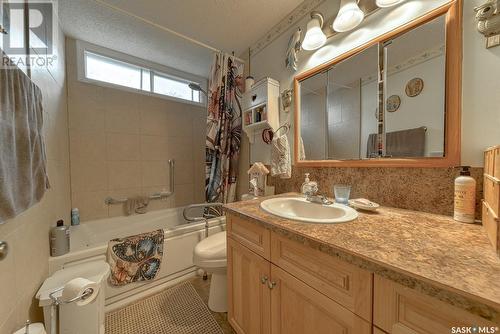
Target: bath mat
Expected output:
[178,310]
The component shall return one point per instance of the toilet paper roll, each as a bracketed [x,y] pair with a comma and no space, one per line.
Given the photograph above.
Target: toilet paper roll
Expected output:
[77,287]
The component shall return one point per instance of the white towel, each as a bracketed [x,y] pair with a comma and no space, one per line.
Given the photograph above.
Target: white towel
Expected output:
[281,164]
[23,171]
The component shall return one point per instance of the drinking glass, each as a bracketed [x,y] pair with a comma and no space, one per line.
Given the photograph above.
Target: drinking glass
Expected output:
[342,193]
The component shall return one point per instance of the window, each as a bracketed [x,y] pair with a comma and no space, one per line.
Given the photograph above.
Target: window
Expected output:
[116,72]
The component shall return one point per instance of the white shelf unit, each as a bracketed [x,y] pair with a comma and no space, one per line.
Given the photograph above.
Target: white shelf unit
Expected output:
[261,107]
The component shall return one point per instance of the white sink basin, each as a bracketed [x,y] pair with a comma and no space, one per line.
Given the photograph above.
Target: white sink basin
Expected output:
[298,208]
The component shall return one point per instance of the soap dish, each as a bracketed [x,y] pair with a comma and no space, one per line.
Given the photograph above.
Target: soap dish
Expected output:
[364,204]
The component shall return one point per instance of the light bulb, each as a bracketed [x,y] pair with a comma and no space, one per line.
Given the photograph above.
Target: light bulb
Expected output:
[387,3]
[315,37]
[349,16]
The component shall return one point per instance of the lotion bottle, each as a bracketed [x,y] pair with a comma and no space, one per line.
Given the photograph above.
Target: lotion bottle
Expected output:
[465,197]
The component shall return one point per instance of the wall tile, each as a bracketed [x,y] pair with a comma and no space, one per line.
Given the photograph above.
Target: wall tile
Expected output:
[183,195]
[87,145]
[154,116]
[90,204]
[154,148]
[155,173]
[123,147]
[184,172]
[180,121]
[85,107]
[122,113]
[180,148]
[124,174]
[89,175]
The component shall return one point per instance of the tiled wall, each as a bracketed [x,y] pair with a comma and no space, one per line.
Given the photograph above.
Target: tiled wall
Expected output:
[420,189]
[26,266]
[120,143]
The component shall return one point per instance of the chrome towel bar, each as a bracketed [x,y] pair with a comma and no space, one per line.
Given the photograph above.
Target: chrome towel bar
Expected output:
[160,195]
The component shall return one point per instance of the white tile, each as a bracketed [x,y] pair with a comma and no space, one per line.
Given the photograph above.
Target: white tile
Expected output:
[123,147]
[124,174]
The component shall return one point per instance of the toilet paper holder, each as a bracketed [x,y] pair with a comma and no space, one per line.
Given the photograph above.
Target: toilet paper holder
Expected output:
[57,301]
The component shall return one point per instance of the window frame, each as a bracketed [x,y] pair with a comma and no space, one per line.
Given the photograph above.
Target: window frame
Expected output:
[160,70]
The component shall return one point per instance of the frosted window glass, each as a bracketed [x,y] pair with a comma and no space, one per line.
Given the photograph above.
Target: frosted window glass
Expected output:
[166,86]
[146,80]
[112,71]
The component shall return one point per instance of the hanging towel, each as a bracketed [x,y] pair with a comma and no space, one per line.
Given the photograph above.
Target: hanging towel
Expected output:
[281,164]
[23,171]
[135,258]
[403,143]
[302,150]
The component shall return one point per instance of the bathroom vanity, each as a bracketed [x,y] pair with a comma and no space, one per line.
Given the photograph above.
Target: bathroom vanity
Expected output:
[395,271]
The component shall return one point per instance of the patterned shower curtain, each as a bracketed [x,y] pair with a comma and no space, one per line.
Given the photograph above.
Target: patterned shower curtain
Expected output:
[223,139]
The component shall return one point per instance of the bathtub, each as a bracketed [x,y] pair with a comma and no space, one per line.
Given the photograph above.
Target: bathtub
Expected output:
[89,242]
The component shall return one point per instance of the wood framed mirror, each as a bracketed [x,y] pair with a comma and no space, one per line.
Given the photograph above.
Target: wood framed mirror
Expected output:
[394,101]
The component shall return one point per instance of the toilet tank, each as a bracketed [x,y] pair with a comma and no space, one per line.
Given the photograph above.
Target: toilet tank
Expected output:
[74,319]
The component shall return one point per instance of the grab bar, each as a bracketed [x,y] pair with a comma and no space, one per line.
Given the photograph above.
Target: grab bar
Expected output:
[195,206]
[160,195]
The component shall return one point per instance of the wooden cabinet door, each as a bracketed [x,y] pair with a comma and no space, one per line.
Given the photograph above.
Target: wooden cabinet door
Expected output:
[401,310]
[249,297]
[296,308]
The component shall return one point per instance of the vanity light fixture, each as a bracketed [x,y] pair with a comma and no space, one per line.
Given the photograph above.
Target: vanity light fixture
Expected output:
[387,3]
[349,16]
[315,37]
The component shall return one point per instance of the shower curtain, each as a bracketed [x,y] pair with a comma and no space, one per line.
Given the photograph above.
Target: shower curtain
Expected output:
[225,87]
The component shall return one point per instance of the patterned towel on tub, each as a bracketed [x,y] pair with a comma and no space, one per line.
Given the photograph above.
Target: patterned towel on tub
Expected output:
[135,258]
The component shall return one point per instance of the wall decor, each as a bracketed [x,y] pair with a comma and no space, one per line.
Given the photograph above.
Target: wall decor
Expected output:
[393,103]
[414,87]
[286,99]
[293,48]
[488,22]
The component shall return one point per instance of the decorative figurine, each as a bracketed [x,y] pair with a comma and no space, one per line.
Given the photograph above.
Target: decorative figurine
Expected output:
[293,48]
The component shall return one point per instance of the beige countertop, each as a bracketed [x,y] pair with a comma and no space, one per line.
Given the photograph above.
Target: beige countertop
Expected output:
[433,254]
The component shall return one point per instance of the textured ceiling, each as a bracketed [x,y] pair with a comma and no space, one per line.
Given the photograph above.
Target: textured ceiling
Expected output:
[228,25]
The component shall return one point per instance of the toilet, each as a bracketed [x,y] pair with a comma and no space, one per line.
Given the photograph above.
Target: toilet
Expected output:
[210,255]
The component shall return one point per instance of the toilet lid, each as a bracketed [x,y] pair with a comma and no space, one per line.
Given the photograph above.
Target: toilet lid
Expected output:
[211,248]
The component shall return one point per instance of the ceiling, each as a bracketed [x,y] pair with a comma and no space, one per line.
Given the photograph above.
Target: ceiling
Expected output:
[228,25]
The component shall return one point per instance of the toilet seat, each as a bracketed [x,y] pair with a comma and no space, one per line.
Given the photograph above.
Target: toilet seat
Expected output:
[211,251]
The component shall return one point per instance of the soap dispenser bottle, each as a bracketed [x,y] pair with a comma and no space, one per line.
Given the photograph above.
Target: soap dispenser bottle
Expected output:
[465,197]
[308,187]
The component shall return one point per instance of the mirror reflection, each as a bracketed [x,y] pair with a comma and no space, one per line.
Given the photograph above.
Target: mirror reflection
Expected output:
[340,114]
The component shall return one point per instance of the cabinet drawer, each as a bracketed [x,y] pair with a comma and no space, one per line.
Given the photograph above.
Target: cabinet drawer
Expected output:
[257,238]
[401,310]
[491,225]
[297,308]
[348,285]
[257,95]
[492,193]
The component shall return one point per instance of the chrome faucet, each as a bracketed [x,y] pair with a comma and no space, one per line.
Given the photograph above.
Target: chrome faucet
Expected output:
[320,199]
